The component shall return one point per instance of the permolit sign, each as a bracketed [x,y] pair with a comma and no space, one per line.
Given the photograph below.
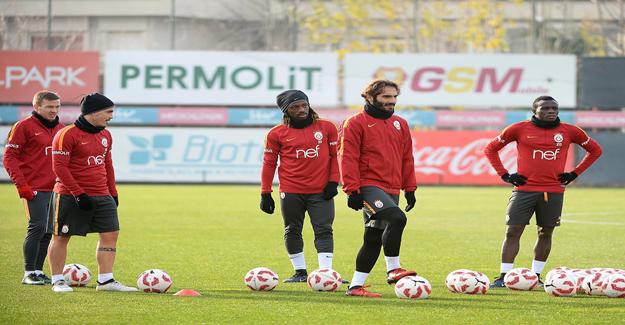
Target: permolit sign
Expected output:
[219,78]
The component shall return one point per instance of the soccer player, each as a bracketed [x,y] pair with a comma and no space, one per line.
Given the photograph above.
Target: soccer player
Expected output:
[375,154]
[308,174]
[28,160]
[539,183]
[85,197]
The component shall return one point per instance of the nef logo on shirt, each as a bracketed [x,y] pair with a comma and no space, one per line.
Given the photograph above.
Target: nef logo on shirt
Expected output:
[545,154]
[307,153]
[97,160]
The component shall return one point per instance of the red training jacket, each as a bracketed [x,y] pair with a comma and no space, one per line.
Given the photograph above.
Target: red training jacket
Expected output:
[307,158]
[376,152]
[28,154]
[82,162]
[542,153]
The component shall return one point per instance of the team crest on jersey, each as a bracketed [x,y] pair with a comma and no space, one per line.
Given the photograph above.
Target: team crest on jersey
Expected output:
[319,136]
[378,204]
[396,125]
[105,142]
[558,138]
[65,229]
[282,195]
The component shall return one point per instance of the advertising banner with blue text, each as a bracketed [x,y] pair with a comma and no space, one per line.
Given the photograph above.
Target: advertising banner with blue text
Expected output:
[187,155]
[219,78]
[479,81]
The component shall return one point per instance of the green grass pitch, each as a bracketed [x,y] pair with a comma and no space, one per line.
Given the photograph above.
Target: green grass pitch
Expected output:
[208,237]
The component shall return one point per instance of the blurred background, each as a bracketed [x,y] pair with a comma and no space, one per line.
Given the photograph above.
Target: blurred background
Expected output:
[195,81]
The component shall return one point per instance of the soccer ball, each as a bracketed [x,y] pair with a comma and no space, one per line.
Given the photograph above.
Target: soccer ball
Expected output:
[76,275]
[614,286]
[561,284]
[472,282]
[560,269]
[324,280]
[593,283]
[413,287]
[581,274]
[154,280]
[261,279]
[450,280]
[521,279]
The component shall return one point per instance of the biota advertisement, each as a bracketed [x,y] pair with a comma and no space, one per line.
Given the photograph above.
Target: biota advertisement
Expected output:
[219,78]
[188,155]
[479,81]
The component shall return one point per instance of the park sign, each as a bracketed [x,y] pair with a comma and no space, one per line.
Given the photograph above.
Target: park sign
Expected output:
[70,74]
[219,78]
[468,80]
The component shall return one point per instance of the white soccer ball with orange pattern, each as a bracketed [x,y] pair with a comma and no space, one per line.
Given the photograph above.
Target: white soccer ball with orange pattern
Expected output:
[324,280]
[561,284]
[76,275]
[413,287]
[261,279]
[614,286]
[593,284]
[521,279]
[472,283]
[154,280]
[450,280]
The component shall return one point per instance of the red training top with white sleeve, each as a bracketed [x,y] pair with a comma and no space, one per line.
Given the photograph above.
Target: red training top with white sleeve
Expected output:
[542,153]
[376,152]
[82,162]
[28,154]
[307,158]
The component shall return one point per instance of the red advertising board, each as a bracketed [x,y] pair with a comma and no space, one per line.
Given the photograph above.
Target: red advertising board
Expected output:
[457,158]
[70,74]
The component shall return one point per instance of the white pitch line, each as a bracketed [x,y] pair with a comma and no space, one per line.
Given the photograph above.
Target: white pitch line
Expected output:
[594,222]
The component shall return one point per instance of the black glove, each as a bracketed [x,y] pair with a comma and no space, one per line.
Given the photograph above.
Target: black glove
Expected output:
[266,203]
[116,198]
[514,179]
[410,199]
[84,202]
[566,178]
[330,190]
[355,201]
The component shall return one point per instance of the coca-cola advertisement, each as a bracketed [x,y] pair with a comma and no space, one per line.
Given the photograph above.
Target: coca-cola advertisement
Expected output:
[457,158]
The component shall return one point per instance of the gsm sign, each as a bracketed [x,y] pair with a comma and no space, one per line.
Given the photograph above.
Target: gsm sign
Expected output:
[466,79]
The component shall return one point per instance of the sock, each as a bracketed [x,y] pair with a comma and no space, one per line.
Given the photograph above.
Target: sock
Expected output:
[103,277]
[38,272]
[505,267]
[298,261]
[325,260]
[358,280]
[537,266]
[392,262]
[26,273]
[57,277]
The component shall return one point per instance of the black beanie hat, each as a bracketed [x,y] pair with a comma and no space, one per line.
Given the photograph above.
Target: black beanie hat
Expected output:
[288,97]
[94,102]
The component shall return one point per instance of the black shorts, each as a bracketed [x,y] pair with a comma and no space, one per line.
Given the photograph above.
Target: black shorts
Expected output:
[376,200]
[69,220]
[547,206]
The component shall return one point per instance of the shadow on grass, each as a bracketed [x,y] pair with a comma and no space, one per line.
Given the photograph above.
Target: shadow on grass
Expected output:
[490,301]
